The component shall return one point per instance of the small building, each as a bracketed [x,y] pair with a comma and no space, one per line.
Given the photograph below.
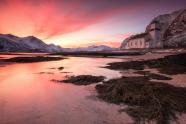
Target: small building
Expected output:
[136,41]
[150,39]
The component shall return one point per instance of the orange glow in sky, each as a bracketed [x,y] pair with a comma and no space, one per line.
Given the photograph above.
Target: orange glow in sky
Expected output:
[76,23]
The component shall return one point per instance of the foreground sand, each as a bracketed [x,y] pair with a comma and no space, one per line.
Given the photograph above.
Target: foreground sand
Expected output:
[180,79]
[153,85]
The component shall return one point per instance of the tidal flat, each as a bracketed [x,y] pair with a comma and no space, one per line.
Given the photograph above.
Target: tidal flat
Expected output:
[148,100]
[171,65]
[31,97]
[91,87]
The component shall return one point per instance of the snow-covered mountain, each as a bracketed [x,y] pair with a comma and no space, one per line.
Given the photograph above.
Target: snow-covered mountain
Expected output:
[33,43]
[101,48]
[8,44]
[90,49]
[55,48]
[11,43]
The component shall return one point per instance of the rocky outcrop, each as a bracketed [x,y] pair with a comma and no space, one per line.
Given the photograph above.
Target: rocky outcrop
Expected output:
[164,21]
[172,29]
[175,35]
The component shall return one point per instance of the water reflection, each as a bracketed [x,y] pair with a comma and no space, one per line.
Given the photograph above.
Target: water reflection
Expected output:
[90,66]
[31,98]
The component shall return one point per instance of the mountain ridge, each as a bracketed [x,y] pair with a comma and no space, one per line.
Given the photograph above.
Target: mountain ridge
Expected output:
[12,43]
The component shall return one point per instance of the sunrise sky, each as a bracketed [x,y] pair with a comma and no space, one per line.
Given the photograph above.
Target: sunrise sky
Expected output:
[76,23]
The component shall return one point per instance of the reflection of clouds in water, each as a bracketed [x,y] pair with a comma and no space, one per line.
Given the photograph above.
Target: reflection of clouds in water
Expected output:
[34,98]
[90,66]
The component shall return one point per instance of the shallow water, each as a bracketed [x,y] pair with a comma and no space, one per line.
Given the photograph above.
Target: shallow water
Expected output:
[28,96]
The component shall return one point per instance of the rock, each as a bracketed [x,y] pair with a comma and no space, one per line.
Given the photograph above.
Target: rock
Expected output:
[147,100]
[172,30]
[60,68]
[31,59]
[170,65]
[175,35]
[82,79]
[164,20]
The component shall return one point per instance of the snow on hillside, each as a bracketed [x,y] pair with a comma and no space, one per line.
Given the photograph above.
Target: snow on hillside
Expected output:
[10,43]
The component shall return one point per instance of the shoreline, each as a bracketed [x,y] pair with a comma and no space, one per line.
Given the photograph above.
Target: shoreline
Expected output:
[137,87]
[149,95]
[129,55]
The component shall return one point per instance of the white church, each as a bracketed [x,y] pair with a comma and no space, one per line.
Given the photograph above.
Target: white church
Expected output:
[150,39]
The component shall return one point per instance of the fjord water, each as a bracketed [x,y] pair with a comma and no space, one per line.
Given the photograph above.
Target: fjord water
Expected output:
[28,96]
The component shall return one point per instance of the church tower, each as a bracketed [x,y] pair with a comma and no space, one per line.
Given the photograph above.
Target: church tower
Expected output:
[155,34]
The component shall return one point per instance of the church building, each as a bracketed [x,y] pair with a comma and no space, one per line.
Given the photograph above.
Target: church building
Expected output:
[150,39]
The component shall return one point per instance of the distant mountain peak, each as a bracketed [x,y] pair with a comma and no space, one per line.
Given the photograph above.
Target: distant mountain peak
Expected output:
[9,42]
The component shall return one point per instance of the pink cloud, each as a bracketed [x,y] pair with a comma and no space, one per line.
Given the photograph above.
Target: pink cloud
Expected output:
[110,40]
[46,19]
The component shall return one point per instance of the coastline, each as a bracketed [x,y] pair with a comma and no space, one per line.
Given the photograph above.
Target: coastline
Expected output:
[153,88]
[147,79]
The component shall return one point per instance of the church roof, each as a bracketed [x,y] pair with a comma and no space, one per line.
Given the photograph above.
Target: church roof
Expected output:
[142,35]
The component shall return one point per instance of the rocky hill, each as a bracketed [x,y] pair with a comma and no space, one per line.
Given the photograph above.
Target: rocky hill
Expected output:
[164,20]
[11,43]
[175,34]
[172,29]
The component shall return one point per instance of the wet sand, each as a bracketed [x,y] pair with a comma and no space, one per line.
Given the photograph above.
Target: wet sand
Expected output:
[31,97]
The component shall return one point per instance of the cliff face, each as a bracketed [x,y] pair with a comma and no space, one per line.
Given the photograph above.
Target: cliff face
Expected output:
[164,21]
[172,29]
[175,35]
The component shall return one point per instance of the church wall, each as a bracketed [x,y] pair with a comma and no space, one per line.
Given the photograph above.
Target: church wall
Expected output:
[135,43]
[156,39]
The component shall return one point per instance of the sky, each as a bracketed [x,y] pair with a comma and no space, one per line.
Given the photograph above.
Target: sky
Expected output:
[80,23]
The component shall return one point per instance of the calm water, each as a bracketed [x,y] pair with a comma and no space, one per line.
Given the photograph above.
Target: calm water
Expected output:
[29,97]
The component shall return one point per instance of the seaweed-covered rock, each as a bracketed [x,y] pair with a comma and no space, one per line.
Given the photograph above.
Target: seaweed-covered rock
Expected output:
[147,100]
[31,59]
[153,76]
[172,64]
[60,68]
[83,79]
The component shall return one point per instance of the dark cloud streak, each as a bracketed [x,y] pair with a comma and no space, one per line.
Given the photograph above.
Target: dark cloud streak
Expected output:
[56,17]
